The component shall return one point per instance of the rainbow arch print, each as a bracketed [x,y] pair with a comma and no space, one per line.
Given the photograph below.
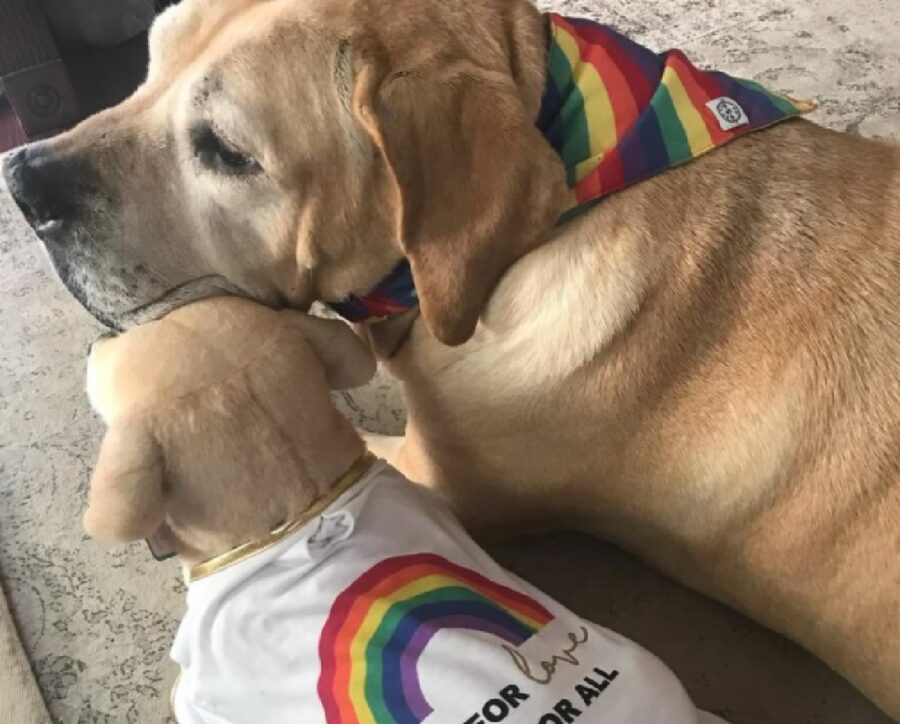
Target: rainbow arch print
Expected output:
[380,625]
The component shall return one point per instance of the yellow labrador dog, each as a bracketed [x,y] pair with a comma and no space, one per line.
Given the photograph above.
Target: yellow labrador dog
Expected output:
[704,368]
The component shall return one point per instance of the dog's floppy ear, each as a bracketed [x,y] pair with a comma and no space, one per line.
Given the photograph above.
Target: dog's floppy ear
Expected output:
[127,499]
[348,362]
[477,185]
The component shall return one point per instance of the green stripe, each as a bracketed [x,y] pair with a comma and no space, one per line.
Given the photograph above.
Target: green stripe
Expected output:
[677,146]
[576,137]
[779,101]
[576,211]
[392,618]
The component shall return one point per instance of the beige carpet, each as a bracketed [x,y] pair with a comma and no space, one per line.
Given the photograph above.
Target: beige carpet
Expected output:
[20,699]
[96,625]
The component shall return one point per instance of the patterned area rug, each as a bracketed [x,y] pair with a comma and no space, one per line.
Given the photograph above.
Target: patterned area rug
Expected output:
[20,698]
[97,625]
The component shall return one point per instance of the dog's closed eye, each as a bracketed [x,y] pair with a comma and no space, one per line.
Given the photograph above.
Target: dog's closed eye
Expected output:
[217,154]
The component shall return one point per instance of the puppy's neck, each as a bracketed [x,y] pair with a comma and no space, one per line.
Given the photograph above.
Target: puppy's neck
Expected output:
[284,530]
[208,522]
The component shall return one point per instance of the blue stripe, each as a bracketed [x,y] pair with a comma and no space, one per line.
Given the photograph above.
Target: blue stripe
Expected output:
[549,121]
[756,104]
[646,135]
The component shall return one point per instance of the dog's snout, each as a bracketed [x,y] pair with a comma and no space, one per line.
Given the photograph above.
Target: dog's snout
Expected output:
[37,185]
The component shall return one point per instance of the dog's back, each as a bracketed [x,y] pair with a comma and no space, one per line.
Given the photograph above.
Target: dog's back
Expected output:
[735,423]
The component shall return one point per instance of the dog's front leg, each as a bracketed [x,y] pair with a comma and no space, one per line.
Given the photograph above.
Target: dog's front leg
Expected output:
[387,447]
[398,451]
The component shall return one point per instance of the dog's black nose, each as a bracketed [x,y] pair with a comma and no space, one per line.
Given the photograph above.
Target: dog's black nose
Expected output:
[38,188]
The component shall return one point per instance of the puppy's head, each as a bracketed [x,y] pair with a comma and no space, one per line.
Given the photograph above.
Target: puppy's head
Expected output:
[220,423]
[288,150]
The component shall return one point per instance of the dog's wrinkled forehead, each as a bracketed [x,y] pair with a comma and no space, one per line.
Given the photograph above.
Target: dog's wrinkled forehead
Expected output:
[224,62]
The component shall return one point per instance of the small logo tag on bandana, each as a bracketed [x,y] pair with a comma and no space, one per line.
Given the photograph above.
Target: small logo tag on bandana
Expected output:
[728,113]
[332,529]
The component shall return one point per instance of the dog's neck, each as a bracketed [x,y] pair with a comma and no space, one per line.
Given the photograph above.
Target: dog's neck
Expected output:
[616,113]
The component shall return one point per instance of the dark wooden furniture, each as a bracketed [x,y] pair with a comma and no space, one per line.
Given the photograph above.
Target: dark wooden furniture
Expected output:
[51,85]
[37,84]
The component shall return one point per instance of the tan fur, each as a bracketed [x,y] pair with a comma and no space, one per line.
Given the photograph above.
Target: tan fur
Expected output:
[220,424]
[703,368]
[733,419]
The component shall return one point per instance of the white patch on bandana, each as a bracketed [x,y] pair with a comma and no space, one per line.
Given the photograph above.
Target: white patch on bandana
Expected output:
[728,113]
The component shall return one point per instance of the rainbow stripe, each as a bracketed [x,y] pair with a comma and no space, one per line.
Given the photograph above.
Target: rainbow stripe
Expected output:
[394,294]
[618,113]
[380,625]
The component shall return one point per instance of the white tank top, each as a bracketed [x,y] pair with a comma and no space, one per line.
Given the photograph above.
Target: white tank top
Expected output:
[383,610]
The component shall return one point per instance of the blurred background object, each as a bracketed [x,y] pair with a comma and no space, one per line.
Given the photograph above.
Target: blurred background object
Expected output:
[62,60]
[99,23]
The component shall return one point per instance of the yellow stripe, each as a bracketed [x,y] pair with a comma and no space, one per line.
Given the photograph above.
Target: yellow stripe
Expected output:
[598,110]
[372,621]
[694,128]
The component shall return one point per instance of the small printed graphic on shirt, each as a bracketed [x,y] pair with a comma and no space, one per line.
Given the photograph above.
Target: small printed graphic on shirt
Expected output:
[728,113]
[332,529]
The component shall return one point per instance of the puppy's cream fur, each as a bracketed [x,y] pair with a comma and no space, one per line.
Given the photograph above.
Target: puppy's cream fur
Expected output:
[220,424]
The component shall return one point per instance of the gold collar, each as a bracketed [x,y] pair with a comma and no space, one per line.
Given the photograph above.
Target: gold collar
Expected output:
[251,548]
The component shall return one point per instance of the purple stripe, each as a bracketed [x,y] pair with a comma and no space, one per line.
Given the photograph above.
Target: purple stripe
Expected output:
[409,659]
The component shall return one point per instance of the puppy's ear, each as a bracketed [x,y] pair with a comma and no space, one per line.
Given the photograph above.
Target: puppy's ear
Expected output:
[477,185]
[348,362]
[126,500]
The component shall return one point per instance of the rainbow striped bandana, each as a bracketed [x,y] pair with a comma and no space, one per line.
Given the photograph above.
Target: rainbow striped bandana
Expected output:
[616,113]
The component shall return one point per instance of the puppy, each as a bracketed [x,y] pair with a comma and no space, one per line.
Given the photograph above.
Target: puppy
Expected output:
[322,585]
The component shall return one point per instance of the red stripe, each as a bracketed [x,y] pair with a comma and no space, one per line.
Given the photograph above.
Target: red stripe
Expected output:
[643,87]
[699,93]
[378,305]
[709,85]
[589,187]
[607,177]
[611,172]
